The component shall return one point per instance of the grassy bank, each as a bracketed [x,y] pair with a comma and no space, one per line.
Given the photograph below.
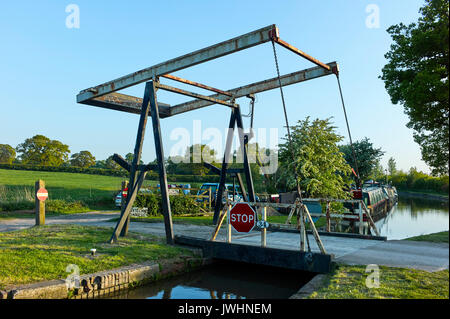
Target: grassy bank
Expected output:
[349,282]
[441,237]
[43,253]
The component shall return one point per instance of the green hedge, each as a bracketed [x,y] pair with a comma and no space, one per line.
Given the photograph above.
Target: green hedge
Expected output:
[179,204]
[51,206]
[417,181]
[113,172]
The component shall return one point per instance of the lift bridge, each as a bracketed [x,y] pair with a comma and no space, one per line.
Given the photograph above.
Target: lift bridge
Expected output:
[106,96]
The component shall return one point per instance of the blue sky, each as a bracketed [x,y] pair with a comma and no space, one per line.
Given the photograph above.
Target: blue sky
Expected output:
[44,64]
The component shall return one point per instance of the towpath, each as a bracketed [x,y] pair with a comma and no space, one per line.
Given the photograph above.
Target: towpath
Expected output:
[353,251]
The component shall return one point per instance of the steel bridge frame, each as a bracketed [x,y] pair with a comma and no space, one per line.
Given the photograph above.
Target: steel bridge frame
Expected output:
[105,95]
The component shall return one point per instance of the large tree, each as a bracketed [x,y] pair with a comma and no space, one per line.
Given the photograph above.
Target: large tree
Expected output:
[417,76]
[7,154]
[40,150]
[82,159]
[321,168]
[367,157]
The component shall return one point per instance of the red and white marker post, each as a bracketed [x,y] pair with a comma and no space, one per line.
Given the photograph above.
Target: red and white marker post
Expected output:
[41,195]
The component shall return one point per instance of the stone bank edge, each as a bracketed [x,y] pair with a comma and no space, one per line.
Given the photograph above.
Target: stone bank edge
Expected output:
[109,281]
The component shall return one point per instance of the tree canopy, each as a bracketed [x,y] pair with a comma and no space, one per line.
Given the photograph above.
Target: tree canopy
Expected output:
[321,167]
[40,150]
[367,157]
[417,76]
[82,159]
[7,154]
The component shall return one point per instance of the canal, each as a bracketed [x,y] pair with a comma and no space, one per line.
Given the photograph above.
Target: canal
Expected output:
[231,280]
[414,216]
[223,280]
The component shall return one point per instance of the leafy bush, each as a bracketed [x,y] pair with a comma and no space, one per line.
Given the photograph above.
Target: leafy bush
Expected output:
[67,207]
[179,204]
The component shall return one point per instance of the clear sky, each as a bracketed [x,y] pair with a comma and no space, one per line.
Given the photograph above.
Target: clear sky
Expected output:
[44,64]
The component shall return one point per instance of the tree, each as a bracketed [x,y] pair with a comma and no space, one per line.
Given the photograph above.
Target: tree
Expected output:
[7,154]
[392,166]
[192,162]
[417,76]
[82,159]
[377,172]
[320,166]
[367,156]
[40,150]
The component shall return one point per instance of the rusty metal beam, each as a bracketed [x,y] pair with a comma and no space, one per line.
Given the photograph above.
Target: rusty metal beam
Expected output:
[212,100]
[288,79]
[200,85]
[301,53]
[215,51]
[132,104]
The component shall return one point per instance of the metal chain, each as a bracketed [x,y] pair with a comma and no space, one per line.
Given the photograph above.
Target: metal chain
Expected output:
[349,134]
[299,191]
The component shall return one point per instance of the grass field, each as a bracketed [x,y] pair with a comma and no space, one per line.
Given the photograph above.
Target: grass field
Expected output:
[94,191]
[349,282]
[43,253]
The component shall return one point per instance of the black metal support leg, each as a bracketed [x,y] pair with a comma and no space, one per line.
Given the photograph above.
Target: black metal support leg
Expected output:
[223,172]
[243,145]
[134,183]
[161,168]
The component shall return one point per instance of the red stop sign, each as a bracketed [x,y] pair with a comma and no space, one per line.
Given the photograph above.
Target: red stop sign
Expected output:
[42,194]
[242,217]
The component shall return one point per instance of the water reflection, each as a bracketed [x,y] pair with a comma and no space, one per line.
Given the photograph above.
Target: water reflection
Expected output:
[224,280]
[413,217]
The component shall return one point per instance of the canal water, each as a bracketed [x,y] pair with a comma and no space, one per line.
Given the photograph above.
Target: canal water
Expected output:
[414,217]
[224,280]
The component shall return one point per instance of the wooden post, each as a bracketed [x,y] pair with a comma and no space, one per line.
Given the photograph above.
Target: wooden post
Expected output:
[39,204]
[328,217]
[361,219]
[228,223]
[263,231]
[209,198]
[302,228]
[219,224]
[314,230]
